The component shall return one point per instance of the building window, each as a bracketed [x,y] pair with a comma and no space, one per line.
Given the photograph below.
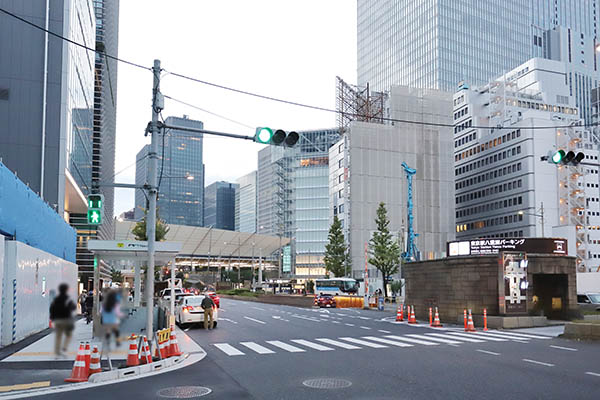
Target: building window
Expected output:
[341,193]
[340,163]
[341,209]
[341,148]
[341,178]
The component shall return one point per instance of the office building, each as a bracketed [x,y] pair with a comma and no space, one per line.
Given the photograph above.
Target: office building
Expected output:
[219,205]
[365,168]
[503,187]
[245,203]
[436,44]
[180,175]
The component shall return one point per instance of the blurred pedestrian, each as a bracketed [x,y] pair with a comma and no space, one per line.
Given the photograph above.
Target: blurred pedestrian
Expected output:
[208,305]
[89,306]
[61,314]
[81,301]
[111,315]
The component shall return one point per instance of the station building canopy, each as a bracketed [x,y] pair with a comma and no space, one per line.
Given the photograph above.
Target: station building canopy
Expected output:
[201,242]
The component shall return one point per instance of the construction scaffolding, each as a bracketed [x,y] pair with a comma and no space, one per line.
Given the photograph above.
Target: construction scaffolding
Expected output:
[355,103]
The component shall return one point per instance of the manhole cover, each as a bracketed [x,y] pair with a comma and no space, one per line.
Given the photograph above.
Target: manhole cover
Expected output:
[183,392]
[327,383]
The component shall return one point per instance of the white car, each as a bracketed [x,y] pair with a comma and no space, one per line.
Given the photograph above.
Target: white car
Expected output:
[165,294]
[188,310]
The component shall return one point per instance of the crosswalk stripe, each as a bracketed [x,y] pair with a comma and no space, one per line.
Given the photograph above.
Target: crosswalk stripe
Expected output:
[435,339]
[257,348]
[464,339]
[338,344]
[285,346]
[523,335]
[411,340]
[504,336]
[312,345]
[228,349]
[490,338]
[387,341]
[363,342]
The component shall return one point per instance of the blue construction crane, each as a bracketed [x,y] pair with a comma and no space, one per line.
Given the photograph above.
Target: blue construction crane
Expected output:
[411,253]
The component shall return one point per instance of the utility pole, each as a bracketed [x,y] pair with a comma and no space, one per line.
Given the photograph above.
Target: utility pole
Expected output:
[152,194]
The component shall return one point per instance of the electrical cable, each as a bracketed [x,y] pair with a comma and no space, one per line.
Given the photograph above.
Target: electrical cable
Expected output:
[209,112]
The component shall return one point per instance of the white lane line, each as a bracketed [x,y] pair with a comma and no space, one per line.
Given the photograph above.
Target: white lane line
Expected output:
[435,339]
[387,341]
[563,348]
[365,327]
[228,349]
[524,336]
[488,352]
[486,334]
[411,340]
[363,343]
[338,344]
[538,362]
[285,346]
[520,341]
[592,373]
[255,320]
[441,335]
[487,337]
[257,348]
[336,322]
[382,331]
[306,318]
[227,319]
[312,345]
[349,324]
[258,308]
[186,329]
[363,317]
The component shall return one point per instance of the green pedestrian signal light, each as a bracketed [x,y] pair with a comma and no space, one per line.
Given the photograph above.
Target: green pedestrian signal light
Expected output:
[277,137]
[94,217]
[95,209]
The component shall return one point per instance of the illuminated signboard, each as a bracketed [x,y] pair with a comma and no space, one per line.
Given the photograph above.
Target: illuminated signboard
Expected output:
[484,247]
[514,285]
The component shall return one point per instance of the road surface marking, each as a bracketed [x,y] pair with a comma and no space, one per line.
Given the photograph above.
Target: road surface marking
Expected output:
[186,329]
[592,373]
[411,340]
[349,324]
[338,344]
[255,320]
[363,317]
[258,308]
[228,349]
[336,322]
[227,319]
[538,362]
[364,343]
[488,352]
[257,348]
[24,386]
[387,341]
[306,318]
[464,339]
[382,331]
[486,337]
[435,339]
[522,336]
[563,348]
[365,327]
[486,334]
[285,346]
[312,345]
[520,341]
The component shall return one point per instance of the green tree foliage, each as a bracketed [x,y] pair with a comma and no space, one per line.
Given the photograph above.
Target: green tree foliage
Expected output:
[116,275]
[139,230]
[384,251]
[336,255]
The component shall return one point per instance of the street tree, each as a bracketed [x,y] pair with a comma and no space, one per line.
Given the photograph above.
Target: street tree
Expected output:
[139,230]
[335,250]
[116,275]
[384,251]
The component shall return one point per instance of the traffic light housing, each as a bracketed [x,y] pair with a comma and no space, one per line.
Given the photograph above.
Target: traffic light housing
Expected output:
[95,210]
[561,157]
[277,137]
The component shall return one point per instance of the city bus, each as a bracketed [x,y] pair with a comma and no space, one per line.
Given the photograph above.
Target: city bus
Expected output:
[336,286]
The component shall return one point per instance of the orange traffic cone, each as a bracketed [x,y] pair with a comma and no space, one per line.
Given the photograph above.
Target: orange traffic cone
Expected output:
[470,325]
[173,346]
[412,319]
[95,362]
[79,373]
[87,353]
[146,356]
[132,355]
[399,313]
[164,348]
[316,302]
[436,320]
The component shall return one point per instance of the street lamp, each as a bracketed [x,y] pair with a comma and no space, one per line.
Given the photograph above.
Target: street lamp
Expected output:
[187,176]
[541,215]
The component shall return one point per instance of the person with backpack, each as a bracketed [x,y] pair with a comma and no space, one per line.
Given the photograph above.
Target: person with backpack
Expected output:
[61,314]
[207,305]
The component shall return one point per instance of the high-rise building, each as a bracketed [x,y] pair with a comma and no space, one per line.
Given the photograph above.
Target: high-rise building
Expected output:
[219,205]
[180,175]
[437,43]
[245,203]
[503,187]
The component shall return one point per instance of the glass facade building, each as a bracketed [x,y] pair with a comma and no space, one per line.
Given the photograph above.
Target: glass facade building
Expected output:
[245,203]
[438,43]
[219,205]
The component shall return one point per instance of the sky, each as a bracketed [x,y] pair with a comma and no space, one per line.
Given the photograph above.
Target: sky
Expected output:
[286,49]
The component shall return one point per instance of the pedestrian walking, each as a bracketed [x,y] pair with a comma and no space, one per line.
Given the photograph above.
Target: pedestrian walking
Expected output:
[89,306]
[61,314]
[111,315]
[207,305]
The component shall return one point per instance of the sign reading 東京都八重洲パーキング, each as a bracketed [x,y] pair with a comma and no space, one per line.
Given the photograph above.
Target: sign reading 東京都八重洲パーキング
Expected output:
[482,247]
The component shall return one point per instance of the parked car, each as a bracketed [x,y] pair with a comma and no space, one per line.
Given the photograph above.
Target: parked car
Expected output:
[215,298]
[165,294]
[589,301]
[188,310]
[326,300]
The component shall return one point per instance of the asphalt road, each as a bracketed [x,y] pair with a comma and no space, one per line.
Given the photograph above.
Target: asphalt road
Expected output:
[262,351]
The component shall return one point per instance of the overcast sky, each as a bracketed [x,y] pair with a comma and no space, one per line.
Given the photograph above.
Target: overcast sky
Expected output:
[290,49]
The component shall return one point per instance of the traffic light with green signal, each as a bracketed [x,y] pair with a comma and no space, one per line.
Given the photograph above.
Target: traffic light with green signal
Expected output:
[277,137]
[560,157]
[95,209]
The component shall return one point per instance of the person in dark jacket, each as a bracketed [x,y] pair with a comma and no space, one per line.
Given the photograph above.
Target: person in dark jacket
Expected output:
[208,305]
[61,314]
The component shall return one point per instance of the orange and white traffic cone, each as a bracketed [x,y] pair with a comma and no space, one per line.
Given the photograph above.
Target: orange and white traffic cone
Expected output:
[470,325]
[485,319]
[164,348]
[79,373]
[412,319]
[173,345]
[146,356]
[87,353]
[465,318]
[436,320]
[132,354]
[95,362]
[399,316]
[430,317]
[316,303]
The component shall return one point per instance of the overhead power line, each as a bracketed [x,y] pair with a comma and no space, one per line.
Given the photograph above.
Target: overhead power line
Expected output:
[210,112]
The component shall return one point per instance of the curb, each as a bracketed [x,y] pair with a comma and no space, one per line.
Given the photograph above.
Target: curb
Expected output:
[134,371]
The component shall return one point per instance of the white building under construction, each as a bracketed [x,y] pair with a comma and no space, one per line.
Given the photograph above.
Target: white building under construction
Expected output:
[503,188]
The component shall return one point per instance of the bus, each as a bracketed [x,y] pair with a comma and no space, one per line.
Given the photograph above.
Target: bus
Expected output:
[336,286]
